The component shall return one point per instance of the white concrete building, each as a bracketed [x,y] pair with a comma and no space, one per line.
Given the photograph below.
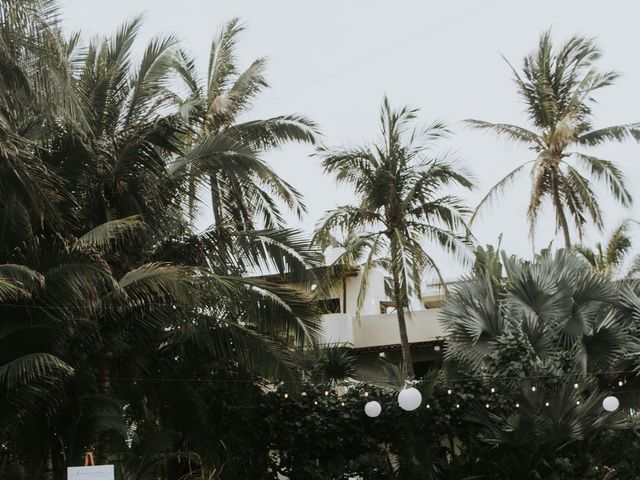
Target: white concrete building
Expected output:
[373,333]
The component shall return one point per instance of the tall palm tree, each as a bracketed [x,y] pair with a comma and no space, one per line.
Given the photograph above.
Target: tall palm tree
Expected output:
[105,288]
[398,182]
[558,87]
[244,189]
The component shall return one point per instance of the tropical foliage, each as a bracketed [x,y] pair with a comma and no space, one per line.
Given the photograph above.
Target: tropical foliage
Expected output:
[557,86]
[126,331]
[609,259]
[400,183]
[113,307]
[556,337]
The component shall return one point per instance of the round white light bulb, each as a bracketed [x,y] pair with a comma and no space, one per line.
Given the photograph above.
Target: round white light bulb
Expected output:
[372,409]
[610,403]
[409,399]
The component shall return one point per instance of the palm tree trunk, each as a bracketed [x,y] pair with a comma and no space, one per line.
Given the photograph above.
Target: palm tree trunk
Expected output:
[402,326]
[104,386]
[344,294]
[215,200]
[48,474]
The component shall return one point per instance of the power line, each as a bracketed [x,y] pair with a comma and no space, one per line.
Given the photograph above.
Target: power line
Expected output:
[380,52]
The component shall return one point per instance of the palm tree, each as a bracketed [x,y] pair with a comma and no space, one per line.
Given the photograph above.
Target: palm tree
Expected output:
[400,204]
[244,189]
[526,442]
[105,287]
[549,323]
[558,88]
[552,308]
[607,259]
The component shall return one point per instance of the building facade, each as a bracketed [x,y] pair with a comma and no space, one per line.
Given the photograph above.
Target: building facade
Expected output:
[372,330]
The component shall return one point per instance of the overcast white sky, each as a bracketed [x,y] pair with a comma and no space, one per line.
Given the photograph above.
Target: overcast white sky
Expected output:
[333,60]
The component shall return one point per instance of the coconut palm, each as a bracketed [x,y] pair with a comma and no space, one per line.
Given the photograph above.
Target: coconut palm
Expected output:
[398,183]
[608,259]
[558,87]
[106,288]
[36,96]
[244,189]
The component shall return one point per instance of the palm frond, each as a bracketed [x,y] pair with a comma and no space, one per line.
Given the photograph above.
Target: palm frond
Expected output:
[105,234]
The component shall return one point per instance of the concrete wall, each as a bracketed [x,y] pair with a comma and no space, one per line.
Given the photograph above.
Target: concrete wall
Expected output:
[381,329]
[337,328]
[374,295]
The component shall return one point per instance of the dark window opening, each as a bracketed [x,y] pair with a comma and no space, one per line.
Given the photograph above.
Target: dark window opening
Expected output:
[421,368]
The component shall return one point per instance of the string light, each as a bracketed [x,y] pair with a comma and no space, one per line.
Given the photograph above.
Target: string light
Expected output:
[449,392]
[366,394]
[479,378]
[326,393]
[610,404]
[533,388]
[493,390]
[575,385]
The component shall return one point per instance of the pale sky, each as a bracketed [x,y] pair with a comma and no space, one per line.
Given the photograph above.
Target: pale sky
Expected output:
[334,61]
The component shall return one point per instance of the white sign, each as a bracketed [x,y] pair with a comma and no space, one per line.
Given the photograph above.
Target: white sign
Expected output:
[100,472]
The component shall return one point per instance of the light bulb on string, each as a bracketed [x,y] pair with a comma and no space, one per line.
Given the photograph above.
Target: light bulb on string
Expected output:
[449,392]
[457,405]
[578,402]
[517,405]
[620,383]
[493,390]
[366,394]
[372,409]
[326,393]
[533,388]
[610,403]
[409,399]
[486,405]
[546,404]
[286,395]
[428,406]
[575,385]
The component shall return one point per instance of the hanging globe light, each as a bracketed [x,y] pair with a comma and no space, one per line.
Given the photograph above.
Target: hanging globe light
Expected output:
[372,409]
[610,403]
[409,399]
